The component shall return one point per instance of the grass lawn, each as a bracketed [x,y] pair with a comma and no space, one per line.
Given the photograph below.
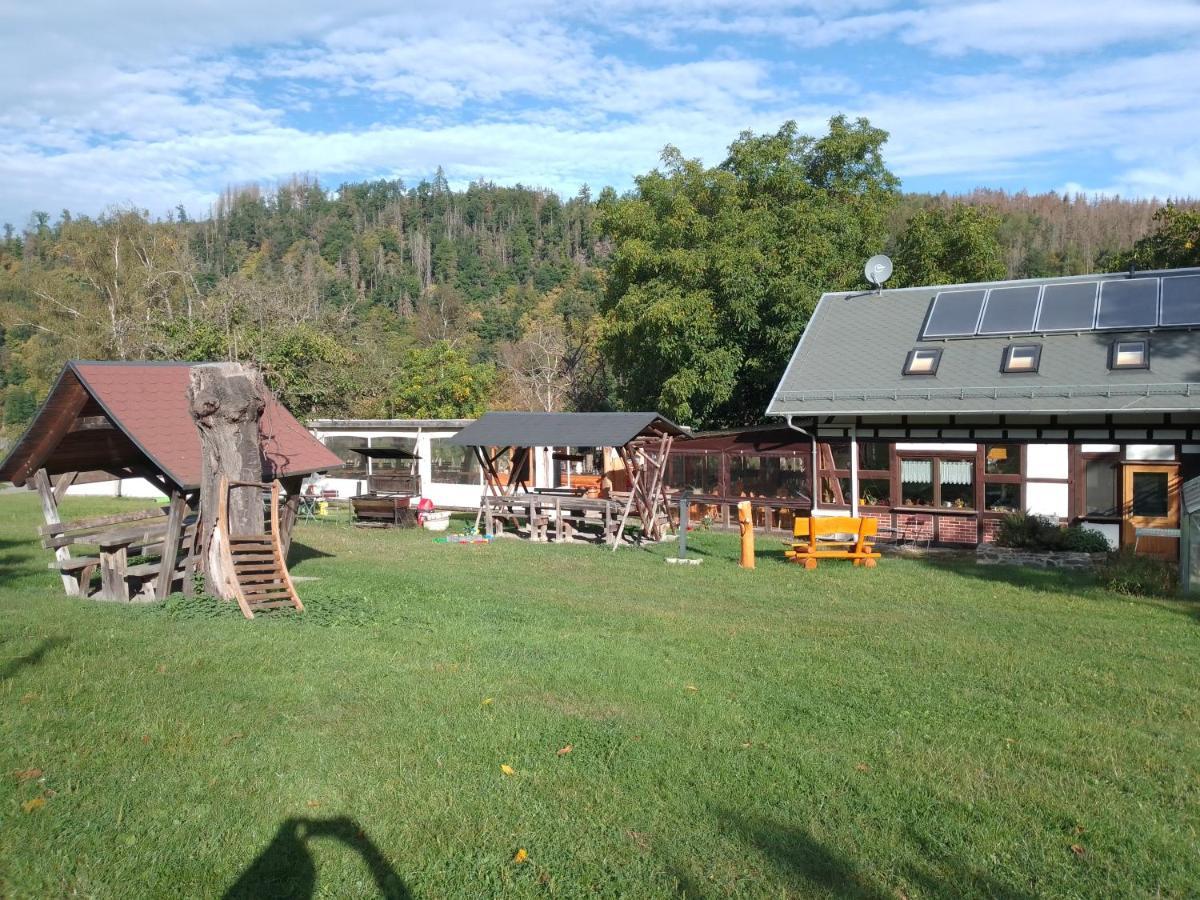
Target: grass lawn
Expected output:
[917,730]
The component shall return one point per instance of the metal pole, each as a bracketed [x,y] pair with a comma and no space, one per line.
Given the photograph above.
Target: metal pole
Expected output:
[684,503]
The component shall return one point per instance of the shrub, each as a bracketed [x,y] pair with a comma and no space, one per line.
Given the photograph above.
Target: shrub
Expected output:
[1139,576]
[1084,540]
[1029,531]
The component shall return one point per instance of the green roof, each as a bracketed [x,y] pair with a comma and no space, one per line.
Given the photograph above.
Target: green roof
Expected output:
[850,360]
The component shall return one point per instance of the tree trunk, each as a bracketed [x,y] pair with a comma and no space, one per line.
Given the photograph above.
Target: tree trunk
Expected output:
[226,401]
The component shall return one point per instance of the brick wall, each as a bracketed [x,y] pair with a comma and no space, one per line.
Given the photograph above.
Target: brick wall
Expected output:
[958,529]
[991,528]
[914,526]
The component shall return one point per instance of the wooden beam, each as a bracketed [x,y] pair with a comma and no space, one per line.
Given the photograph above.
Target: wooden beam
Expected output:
[91,423]
[291,510]
[170,551]
[41,483]
[75,397]
[61,483]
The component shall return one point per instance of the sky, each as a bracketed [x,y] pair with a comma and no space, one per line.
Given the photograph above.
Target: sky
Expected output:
[154,105]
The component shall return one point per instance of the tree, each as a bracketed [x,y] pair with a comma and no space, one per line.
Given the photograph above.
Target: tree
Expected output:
[950,246]
[439,382]
[715,271]
[1174,243]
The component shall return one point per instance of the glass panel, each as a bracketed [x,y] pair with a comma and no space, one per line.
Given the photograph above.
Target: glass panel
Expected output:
[356,464]
[922,362]
[916,482]
[839,453]
[954,313]
[1100,487]
[835,490]
[1068,307]
[1128,303]
[1129,355]
[875,492]
[874,455]
[1181,300]
[1021,359]
[958,483]
[395,465]
[1002,459]
[1150,494]
[451,464]
[1002,498]
[1010,310]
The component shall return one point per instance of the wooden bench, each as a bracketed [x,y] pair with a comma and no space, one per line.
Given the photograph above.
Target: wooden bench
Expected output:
[834,537]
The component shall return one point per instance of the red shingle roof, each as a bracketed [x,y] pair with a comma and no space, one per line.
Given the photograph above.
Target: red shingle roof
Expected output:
[148,402]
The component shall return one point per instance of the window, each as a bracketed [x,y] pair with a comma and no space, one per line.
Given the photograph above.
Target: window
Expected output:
[874,455]
[1129,355]
[1150,493]
[956,483]
[356,463]
[408,444]
[1002,497]
[699,473]
[1002,459]
[1100,487]
[875,491]
[922,361]
[916,482]
[451,464]
[780,477]
[938,483]
[1021,358]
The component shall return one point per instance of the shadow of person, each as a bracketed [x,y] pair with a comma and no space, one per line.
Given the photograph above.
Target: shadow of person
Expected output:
[32,658]
[286,868]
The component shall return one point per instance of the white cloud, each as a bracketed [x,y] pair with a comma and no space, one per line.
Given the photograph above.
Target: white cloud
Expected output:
[131,106]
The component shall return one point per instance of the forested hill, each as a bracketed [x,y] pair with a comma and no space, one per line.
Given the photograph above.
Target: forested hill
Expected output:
[381,299]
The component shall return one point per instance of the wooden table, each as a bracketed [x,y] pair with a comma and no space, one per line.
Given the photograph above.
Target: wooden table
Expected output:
[114,554]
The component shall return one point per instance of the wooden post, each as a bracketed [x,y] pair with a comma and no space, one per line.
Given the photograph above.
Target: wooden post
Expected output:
[114,564]
[226,402]
[41,483]
[291,509]
[170,551]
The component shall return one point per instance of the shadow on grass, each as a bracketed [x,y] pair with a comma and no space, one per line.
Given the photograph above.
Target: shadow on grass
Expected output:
[299,552]
[287,870]
[1057,581]
[809,866]
[32,658]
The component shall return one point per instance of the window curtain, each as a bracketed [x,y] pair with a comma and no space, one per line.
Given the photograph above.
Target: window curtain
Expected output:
[917,471]
[958,471]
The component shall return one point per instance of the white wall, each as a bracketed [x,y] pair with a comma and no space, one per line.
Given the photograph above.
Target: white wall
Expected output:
[1110,530]
[1046,461]
[1047,498]
[125,487]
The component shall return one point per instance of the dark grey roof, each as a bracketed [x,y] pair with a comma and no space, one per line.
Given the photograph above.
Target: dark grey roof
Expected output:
[534,429]
[849,361]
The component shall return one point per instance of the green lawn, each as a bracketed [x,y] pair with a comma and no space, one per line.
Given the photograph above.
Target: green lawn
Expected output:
[912,731]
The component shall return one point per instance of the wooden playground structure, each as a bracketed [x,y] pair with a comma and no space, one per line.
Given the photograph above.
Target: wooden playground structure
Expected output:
[109,421]
[255,565]
[642,442]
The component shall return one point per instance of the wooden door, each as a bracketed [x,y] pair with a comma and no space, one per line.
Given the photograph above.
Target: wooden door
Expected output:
[1150,499]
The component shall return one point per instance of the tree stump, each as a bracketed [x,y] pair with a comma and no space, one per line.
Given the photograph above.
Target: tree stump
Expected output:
[226,402]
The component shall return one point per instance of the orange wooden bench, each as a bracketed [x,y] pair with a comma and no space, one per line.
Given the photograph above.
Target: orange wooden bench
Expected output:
[834,537]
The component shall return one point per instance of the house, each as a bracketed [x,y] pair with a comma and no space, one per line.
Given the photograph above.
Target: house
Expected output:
[939,409]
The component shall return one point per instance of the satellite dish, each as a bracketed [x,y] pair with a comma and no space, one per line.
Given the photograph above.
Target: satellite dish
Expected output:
[878,270]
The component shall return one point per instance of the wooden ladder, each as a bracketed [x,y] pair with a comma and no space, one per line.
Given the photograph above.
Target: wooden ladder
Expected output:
[260,579]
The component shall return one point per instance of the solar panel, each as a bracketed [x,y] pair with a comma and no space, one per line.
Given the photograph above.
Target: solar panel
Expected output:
[1068,307]
[1128,303]
[954,314]
[1180,300]
[1010,310]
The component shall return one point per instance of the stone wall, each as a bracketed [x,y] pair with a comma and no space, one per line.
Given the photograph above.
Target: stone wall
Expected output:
[993,555]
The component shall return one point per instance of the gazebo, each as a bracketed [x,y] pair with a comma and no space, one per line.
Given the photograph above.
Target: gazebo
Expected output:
[642,441]
[111,420]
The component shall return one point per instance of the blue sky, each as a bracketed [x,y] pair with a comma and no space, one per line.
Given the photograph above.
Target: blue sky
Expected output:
[134,102]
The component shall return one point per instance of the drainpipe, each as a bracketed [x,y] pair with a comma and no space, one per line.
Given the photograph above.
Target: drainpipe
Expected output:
[854,471]
[816,486]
